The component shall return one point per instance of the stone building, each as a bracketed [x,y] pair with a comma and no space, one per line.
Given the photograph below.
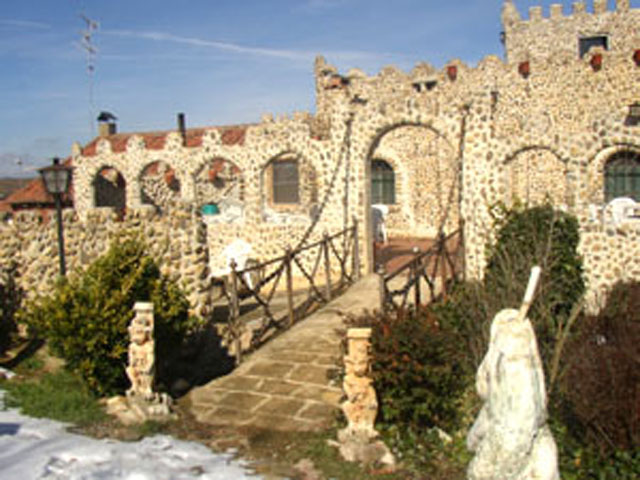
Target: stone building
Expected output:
[556,119]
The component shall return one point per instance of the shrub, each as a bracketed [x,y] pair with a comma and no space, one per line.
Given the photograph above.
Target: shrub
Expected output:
[416,371]
[602,381]
[11,296]
[85,320]
[537,236]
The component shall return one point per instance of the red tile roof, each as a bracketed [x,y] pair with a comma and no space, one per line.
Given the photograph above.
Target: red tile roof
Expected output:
[232,135]
[35,193]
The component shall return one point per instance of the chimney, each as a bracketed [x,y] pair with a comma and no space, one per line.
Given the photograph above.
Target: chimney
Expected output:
[106,124]
[182,128]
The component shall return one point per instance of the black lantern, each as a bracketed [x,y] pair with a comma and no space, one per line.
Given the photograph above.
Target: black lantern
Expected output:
[57,179]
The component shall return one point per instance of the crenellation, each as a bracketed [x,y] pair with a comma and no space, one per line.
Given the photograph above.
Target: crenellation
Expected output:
[579,8]
[556,11]
[623,5]
[535,14]
[599,6]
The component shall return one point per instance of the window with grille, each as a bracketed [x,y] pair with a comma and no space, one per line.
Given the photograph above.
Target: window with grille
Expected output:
[285,181]
[383,183]
[622,176]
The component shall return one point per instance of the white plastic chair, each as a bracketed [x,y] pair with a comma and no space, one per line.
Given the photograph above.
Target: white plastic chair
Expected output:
[618,209]
[379,216]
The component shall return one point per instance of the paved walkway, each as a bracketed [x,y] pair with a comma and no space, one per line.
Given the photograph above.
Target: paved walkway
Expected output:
[291,383]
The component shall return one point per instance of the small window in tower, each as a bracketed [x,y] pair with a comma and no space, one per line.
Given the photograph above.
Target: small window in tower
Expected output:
[585,43]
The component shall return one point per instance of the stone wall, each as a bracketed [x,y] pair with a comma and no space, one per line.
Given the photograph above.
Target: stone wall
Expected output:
[177,241]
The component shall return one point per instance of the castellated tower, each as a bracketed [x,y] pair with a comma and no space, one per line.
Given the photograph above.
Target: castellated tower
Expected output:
[564,35]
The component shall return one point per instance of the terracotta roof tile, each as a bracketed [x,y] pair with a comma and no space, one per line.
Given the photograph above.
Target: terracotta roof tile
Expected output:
[35,192]
[233,135]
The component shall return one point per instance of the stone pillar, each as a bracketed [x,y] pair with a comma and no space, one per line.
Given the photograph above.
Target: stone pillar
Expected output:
[510,437]
[357,439]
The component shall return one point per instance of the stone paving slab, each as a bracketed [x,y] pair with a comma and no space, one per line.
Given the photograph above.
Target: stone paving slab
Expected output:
[291,382]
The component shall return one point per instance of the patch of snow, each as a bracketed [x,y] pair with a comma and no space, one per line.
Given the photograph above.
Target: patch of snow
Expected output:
[42,449]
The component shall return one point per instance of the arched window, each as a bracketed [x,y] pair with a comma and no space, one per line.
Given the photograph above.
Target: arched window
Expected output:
[383,183]
[622,176]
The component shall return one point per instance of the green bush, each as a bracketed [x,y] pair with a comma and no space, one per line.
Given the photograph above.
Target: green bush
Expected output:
[11,296]
[85,320]
[416,371]
[548,238]
[524,238]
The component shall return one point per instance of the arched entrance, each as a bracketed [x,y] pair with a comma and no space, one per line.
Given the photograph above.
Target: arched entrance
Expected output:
[414,176]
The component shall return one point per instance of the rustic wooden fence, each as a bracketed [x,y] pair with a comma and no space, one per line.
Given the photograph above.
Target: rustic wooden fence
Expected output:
[443,260]
[334,259]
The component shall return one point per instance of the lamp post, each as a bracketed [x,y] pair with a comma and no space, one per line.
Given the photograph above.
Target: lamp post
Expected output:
[57,179]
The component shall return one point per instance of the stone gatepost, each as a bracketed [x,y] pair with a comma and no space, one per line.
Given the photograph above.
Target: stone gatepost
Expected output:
[357,441]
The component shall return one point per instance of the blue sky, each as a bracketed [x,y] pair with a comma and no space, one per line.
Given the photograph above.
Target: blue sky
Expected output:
[219,61]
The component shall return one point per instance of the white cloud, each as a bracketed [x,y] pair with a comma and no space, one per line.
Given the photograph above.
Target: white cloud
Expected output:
[24,24]
[287,54]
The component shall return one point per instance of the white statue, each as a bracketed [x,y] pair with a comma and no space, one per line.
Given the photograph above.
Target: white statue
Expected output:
[510,438]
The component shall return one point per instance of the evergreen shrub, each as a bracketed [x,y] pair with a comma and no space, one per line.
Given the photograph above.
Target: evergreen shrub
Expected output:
[85,320]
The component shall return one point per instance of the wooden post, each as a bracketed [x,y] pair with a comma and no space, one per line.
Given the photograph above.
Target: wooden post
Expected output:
[287,267]
[234,312]
[327,265]
[416,274]
[356,250]
[442,248]
[462,248]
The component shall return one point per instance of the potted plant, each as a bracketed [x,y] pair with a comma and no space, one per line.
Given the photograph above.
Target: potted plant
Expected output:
[452,72]
[596,61]
[524,68]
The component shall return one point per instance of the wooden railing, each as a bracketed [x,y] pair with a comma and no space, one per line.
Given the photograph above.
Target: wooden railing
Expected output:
[444,260]
[335,259]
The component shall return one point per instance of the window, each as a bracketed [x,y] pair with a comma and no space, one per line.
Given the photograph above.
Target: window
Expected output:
[285,181]
[586,43]
[622,176]
[383,183]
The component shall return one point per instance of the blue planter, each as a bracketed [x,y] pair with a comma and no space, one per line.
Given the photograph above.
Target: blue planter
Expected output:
[210,209]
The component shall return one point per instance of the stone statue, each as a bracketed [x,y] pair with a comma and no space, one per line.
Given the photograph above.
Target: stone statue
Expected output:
[141,402]
[357,441]
[510,438]
[141,367]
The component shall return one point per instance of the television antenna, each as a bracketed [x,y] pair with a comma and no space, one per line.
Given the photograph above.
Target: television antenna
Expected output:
[91,51]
